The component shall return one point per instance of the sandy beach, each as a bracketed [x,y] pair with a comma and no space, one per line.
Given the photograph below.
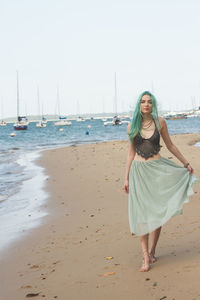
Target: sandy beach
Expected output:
[83,248]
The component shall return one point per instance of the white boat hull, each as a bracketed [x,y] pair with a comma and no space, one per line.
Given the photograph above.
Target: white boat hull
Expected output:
[41,125]
[20,126]
[63,123]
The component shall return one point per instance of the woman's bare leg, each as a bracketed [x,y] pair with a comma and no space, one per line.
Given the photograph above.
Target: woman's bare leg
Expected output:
[144,239]
[154,239]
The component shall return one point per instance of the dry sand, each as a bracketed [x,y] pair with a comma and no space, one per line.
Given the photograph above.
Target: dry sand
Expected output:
[65,258]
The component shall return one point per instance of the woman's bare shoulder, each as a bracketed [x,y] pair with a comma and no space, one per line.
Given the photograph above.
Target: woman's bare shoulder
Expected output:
[162,121]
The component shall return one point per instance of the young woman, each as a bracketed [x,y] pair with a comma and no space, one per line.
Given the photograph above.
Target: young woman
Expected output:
[157,186]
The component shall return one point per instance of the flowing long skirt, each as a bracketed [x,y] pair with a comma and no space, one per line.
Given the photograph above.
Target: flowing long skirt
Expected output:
[157,190]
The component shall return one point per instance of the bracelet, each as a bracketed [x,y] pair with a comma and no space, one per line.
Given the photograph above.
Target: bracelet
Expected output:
[186,165]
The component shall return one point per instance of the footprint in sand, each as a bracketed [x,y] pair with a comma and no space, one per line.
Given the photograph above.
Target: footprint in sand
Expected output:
[56,262]
[34,267]
[26,287]
[52,271]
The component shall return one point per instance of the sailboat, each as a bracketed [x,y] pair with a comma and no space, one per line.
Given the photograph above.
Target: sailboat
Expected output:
[21,123]
[116,120]
[44,120]
[3,123]
[62,119]
[41,123]
[79,118]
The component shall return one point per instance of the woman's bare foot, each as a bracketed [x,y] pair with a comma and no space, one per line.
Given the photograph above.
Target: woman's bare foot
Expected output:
[145,265]
[152,258]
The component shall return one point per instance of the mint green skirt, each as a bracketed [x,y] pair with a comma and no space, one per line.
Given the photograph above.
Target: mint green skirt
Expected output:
[157,190]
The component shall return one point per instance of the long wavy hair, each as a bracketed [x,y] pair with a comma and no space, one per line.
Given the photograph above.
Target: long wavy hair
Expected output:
[137,115]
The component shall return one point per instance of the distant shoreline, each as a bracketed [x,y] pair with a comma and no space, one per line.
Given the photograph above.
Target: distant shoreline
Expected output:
[35,118]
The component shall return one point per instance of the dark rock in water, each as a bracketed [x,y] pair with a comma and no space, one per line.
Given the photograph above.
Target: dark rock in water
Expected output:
[15,148]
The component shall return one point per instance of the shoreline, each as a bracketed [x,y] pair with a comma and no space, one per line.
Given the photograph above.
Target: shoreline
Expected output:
[87,221]
[35,163]
[27,202]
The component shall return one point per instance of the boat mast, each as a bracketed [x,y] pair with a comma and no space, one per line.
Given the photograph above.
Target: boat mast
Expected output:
[77,108]
[2,108]
[42,110]
[115,97]
[17,96]
[58,101]
[38,97]
[103,106]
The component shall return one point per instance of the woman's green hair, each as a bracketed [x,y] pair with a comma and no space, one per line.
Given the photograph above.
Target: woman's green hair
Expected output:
[137,115]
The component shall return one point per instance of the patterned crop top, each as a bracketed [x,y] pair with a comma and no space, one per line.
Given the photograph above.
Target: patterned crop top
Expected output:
[147,147]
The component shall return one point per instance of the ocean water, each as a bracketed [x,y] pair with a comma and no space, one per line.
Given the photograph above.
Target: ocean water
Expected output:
[20,204]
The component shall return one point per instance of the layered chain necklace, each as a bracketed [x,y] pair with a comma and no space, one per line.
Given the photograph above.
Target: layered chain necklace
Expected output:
[147,125]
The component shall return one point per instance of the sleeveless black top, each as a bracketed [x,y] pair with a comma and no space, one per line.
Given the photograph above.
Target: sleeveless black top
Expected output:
[147,147]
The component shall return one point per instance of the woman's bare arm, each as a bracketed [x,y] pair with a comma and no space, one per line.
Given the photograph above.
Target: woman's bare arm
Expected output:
[130,157]
[168,142]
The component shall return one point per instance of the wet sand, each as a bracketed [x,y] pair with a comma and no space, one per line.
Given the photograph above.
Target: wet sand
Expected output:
[84,249]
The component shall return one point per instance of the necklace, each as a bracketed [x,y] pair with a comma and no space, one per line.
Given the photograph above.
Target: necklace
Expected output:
[147,125]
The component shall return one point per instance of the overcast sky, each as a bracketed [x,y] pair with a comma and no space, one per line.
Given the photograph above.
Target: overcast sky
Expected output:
[78,45]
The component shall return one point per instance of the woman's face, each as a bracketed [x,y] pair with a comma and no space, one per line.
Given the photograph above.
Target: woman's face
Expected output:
[146,104]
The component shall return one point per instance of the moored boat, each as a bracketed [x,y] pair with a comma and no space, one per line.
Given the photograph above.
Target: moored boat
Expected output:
[41,124]
[80,119]
[3,123]
[176,116]
[22,122]
[62,119]
[62,123]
